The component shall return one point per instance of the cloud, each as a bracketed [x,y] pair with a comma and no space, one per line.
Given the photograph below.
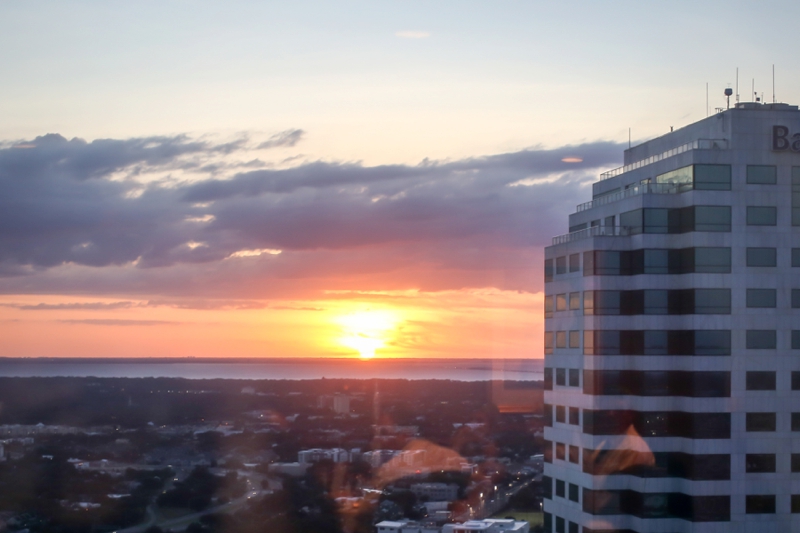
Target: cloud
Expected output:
[284,139]
[120,322]
[413,34]
[88,306]
[69,225]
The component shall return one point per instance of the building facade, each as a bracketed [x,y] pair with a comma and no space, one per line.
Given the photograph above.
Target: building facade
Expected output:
[672,336]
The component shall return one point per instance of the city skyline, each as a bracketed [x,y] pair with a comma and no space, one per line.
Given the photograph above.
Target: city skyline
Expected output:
[314,180]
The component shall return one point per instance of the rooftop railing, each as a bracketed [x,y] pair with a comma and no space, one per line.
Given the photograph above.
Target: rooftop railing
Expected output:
[636,190]
[594,231]
[699,144]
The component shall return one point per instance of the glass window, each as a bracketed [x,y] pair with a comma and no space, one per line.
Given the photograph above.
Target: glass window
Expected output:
[588,302]
[656,342]
[560,417]
[796,462]
[712,218]
[795,380]
[795,298]
[712,342]
[588,342]
[548,342]
[548,381]
[548,306]
[760,422]
[573,527]
[762,216]
[712,260]
[762,297]
[760,504]
[574,454]
[656,220]
[656,302]
[561,265]
[760,380]
[759,463]
[574,301]
[679,176]
[561,339]
[588,263]
[561,302]
[796,257]
[574,377]
[560,454]
[574,416]
[573,492]
[561,378]
[795,339]
[761,339]
[712,177]
[560,486]
[574,339]
[712,301]
[656,261]
[606,302]
[574,262]
[548,270]
[795,503]
[560,523]
[762,257]
[607,263]
[632,220]
[762,174]
[795,421]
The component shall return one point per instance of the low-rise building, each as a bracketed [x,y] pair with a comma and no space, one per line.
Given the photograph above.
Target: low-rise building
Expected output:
[447,492]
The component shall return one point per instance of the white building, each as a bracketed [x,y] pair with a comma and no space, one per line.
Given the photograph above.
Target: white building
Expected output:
[471,526]
[315,455]
[439,492]
[672,330]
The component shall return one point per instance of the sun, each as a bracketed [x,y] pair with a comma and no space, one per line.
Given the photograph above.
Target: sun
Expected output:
[367,331]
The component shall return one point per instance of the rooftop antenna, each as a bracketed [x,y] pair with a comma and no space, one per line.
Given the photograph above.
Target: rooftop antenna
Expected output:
[737,85]
[706,99]
[629,138]
[753,88]
[773,84]
[728,93]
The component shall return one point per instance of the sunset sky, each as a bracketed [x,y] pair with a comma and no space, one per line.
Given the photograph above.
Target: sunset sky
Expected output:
[190,178]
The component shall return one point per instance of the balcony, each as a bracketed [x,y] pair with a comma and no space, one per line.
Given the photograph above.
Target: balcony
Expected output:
[636,190]
[699,144]
[594,231]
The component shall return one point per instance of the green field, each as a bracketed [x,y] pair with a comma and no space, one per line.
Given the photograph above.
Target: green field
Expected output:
[533,518]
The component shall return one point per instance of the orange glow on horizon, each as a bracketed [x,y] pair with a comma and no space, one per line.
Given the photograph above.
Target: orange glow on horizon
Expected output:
[367,331]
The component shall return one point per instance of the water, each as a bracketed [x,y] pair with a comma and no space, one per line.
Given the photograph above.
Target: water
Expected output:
[457,370]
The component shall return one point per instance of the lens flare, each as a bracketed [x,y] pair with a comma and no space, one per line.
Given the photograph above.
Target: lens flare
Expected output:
[367,331]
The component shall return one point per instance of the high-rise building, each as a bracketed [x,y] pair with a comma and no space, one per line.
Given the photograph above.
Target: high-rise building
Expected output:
[672,336]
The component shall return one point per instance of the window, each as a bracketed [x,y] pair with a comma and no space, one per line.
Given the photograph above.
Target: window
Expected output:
[795,339]
[761,339]
[548,270]
[548,451]
[760,380]
[561,377]
[712,301]
[759,463]
[795,503]
[548,342]
[712,177]
[762,216]
[560,414]
[762,297]
[574,376]
[561,339]
[573,527]
[657,342]
[795,380]
[760,422]
[574,491]
[760,504]
[574,301]
[796,257]
[561,302]
[679,176]
[796,462]
[574,339]
[548,378]
[574,262]
[692,384]
[561,265]
[560,523]
[574,454]
[712,260]
[795,421]
[560,488]
[712,218]
[762,174]
[560,454]
[548,306]
[762,257]
[795,298]
[575,416]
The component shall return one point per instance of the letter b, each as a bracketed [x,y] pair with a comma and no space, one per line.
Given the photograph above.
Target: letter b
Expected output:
[780,138]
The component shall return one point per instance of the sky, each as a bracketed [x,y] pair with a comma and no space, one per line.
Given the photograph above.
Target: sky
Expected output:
[343,179]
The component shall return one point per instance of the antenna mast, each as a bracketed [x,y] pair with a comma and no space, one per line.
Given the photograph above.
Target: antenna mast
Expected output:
[737,85]
[773,84]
